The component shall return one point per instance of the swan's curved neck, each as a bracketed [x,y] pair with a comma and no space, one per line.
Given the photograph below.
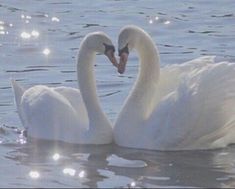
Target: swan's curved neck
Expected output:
[141,100]
[87,85]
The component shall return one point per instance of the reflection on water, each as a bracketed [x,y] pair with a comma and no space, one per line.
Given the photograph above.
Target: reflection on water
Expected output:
[97,166]
[39,42]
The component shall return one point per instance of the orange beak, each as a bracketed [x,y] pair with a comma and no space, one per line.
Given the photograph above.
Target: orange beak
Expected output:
[112,58]
[122,62]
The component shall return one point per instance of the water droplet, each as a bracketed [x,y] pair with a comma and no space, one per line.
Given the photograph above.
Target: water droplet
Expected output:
[34,174]
[69,171]
[46,51]
[56,156]
[55,19]
[25,35]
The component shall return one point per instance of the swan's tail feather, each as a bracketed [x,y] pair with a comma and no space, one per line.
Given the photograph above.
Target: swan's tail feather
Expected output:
[18,91]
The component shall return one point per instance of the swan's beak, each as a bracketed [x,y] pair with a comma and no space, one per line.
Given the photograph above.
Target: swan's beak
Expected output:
[122,62]
[111,56]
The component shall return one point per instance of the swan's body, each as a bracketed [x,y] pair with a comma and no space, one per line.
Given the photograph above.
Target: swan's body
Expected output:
[67,114]
[180,107]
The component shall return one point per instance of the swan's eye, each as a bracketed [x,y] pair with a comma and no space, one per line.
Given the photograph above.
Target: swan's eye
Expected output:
[123,50]
[108,48]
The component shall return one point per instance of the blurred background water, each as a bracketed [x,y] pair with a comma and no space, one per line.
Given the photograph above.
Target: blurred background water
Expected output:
[39,40]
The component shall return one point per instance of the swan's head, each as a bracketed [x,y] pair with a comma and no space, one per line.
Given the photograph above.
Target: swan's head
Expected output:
[101,43]
[127,40]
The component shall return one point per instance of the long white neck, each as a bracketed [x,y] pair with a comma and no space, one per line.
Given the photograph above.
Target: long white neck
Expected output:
[87,85]
[140,102]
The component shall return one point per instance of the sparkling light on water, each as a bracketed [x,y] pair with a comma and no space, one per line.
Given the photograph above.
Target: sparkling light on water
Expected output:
[156,18]
[69,171]
[28,17]
[25,35]
[55,19]
[56,156]
[150,21]
[133,184]
[46,51]
[167,22]
[34,174]
[82,174]
[35,33]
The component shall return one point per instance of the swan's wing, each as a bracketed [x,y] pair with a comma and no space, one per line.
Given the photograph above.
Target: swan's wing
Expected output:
[73,95]
[170,76]
[50,115]
[200,113]
[213,104]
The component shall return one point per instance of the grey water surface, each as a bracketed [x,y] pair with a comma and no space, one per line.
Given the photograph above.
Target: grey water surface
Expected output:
[39,40]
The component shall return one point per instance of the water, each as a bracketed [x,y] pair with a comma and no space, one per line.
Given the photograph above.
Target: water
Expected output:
[38,45]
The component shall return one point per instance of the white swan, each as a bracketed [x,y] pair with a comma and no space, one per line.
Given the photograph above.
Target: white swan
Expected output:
[185,107]
[64,113]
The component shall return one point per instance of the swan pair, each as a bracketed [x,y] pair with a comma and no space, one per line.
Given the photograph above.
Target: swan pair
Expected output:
[187,106]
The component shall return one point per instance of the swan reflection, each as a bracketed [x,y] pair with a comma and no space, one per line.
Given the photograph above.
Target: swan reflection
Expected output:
[172,169]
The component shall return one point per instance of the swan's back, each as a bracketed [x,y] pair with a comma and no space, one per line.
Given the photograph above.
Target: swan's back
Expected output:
[54,113]
[200,112]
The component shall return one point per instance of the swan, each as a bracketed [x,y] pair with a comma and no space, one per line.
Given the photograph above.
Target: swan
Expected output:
[189,106]
[67,114]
